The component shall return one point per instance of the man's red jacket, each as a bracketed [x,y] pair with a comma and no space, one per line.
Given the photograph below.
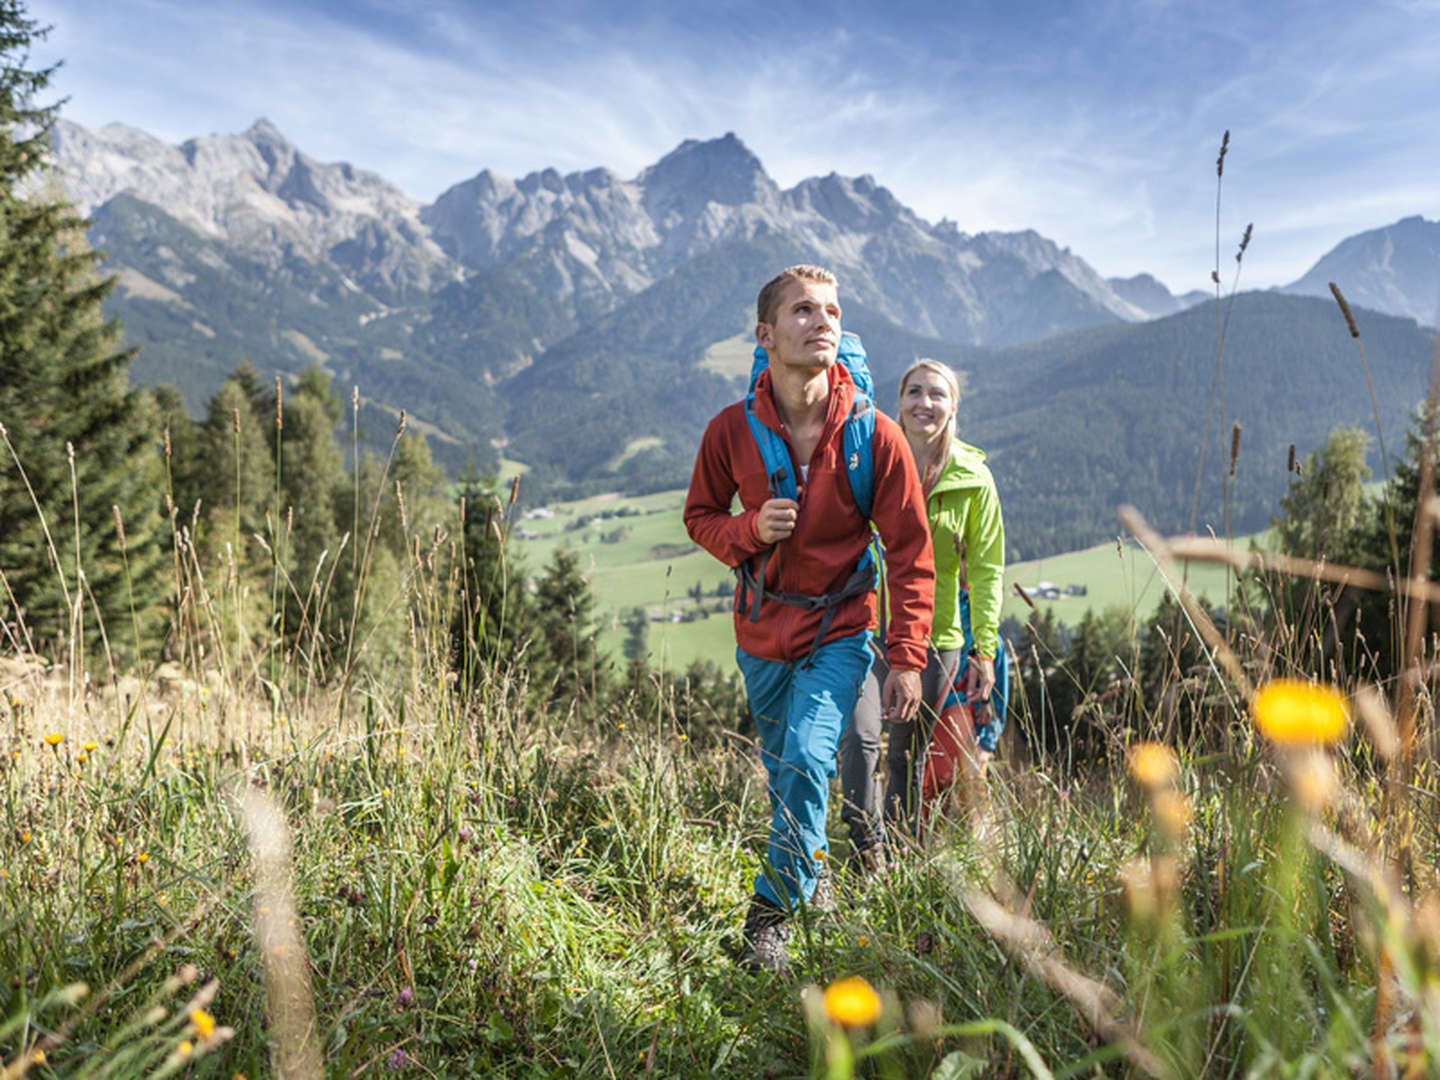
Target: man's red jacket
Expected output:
[830,535]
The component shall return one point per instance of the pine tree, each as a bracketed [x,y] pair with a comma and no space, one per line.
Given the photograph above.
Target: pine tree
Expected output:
[637,634]
[491,629]
[1325,515]
[1379,614]
[84,440]
[567,659]
[236,478]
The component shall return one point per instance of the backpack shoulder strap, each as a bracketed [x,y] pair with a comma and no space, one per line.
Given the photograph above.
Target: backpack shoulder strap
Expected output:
[771,445]
[858,438]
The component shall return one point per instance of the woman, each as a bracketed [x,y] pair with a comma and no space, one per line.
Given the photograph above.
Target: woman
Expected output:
[969,542]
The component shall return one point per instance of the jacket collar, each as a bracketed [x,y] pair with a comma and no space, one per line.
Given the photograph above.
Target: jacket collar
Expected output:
[966,468]
[842,397]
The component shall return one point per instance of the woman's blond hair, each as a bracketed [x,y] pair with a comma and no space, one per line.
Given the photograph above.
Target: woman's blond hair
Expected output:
[952,380]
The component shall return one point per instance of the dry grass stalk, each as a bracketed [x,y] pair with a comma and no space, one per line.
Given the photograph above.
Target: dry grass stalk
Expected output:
[1163,553]
[1345,310]
[1421,538]
[1374,408]
[1200,549]
[1035,947]
[1375,715]
[290,1006]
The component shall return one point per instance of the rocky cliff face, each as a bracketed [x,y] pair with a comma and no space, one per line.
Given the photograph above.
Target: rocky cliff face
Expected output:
[624,235]
[258,192]
[1395,270]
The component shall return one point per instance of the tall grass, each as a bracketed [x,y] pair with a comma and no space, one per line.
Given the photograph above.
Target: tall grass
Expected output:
[482,890]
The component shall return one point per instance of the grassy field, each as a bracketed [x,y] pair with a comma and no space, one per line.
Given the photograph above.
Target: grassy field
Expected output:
[215,873]
[644,559]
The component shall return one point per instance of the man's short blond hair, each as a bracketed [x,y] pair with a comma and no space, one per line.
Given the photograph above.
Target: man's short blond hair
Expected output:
[769,298]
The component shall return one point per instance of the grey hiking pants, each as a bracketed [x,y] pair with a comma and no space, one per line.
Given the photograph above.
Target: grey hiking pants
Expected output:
[904,761]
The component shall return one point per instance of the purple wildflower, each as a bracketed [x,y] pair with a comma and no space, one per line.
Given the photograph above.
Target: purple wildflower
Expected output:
[406,998]
[398,1060]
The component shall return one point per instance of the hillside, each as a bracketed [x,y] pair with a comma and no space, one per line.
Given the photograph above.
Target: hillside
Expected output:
[1394,269]
[1080,424]
[569,322]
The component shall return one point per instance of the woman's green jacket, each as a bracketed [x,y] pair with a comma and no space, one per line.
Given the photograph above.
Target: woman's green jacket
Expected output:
[969,539]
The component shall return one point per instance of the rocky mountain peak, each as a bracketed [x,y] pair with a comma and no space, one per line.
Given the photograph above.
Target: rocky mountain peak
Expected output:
[852,203]
[258,191]
[264,131]
[1394,269]
[721,171]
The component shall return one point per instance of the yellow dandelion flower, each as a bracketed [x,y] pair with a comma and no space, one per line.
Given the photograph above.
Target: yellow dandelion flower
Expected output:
[55,738]
[385,793]
[204,691]
[852,1002]
[203,1021]
[82,757]
[17,703]
[37,1058]
[683,737]
[90,746]
[1294,713]
[862,941]
[25,838]
[820,855]
[143,858]
[15,754]
[185,1049]
[620,726]
[162,899]
[1153,764]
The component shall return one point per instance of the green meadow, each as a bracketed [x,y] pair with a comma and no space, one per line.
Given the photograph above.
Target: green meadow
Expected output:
[635,553]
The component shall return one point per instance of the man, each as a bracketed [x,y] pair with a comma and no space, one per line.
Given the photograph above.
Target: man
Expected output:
[802,690]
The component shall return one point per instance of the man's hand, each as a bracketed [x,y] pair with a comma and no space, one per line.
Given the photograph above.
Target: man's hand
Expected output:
[979,681]
[775,520]
[900,696]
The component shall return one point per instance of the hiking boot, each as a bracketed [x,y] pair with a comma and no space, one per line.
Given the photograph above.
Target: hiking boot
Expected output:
[870,861]
[767,937]
[822,900]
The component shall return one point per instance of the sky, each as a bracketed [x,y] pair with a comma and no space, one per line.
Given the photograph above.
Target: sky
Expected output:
[1095,123]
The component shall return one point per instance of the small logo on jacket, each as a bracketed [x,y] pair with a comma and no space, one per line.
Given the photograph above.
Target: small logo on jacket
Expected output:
[854,460]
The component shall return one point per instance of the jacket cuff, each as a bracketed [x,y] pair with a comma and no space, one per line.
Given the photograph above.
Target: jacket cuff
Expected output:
[904,656]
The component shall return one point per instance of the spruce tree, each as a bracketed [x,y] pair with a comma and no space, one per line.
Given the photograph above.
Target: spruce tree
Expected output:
[567,658]
[490,632]
[236,472]
[81,443]
[1378,645]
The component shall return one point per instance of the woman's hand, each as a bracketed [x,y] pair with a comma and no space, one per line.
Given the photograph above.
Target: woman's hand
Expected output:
[979,679]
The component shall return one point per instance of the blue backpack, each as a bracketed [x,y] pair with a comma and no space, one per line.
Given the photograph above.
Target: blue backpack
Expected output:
[857,437]
[857,441]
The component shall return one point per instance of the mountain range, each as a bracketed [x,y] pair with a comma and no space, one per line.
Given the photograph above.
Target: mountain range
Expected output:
[586,325]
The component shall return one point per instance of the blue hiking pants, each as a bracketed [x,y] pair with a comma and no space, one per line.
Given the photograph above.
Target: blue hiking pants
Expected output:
[801,710]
